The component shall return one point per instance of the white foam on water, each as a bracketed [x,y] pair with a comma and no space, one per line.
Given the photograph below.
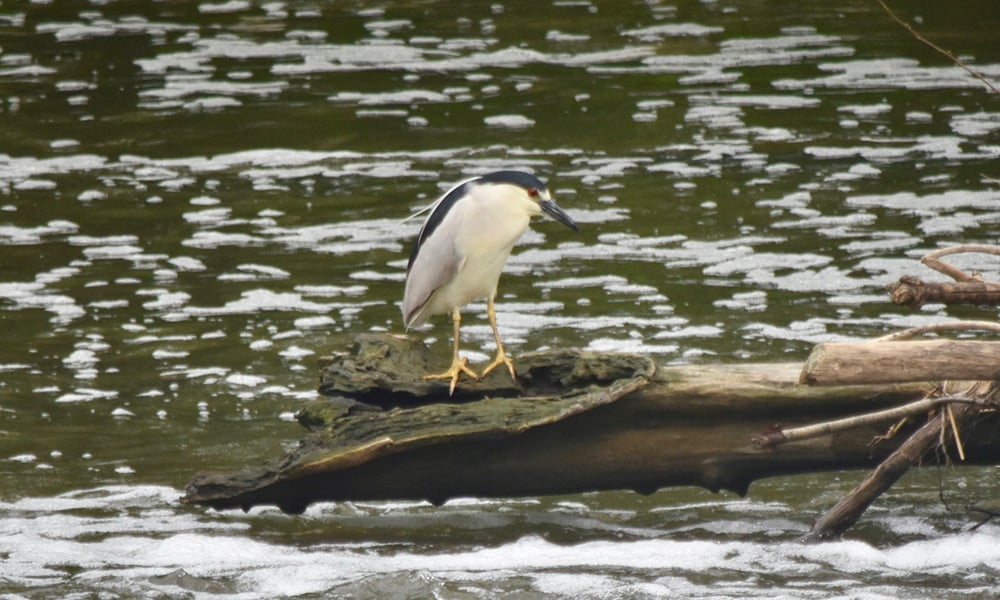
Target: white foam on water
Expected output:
[929,204]
[206,373]
[230,6]
[511,121]
[331,291]
[581,282]
[208,216]
[187,263]
[812,331]
[23,458]
[406,97]
[258,300]
[555,35]
[167,301]
[720,117]
[632,345]
[681,169]
[888,243]
[344,238]
[81,358]
[244,380]
[161,354]
[741,53]
[86,395]
[255,272]
[857,221]
[656,33]
[136,539]
[773,102]
[103,27]
[866,110]
[887,73]
[261,345]
[13,235]
[767,261]
[209,240]
[975,124]
[295,353]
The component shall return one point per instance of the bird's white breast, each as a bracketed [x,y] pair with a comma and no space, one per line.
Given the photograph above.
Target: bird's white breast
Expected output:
[487,225]
[490,227]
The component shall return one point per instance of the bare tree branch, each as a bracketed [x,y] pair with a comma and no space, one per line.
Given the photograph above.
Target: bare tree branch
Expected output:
[932,259]
[922,406]
[939,49]
[938,327]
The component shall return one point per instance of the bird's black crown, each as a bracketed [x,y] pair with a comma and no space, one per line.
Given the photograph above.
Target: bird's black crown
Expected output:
[518,178]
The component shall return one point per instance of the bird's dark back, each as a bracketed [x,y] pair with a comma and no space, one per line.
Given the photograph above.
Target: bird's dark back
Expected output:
[436,217]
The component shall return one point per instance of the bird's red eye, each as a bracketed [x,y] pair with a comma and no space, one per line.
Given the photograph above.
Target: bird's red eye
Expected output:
[533,193]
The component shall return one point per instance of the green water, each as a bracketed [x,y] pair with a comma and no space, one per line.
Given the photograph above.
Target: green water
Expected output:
[198,200]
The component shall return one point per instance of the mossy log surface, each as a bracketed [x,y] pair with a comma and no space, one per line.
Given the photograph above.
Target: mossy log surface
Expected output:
[574,422]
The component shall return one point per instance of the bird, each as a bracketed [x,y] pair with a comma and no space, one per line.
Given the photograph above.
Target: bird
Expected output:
[461,251]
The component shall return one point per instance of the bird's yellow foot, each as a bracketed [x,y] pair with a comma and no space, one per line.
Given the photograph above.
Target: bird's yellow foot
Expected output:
[501,359]
[458,366]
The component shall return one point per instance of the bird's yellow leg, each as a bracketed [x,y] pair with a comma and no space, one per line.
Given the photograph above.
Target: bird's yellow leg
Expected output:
[502,358]
[459,364]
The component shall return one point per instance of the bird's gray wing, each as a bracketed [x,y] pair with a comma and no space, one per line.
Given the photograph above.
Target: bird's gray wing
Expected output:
[434,260]
[434,265]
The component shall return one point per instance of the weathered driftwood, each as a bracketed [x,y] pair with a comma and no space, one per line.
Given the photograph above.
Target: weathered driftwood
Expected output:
[843,363]
[575,422]
[967,289]
[915,292]
[948,412]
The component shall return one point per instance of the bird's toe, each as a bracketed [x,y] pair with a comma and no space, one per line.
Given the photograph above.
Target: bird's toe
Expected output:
[458,367]
[501,359]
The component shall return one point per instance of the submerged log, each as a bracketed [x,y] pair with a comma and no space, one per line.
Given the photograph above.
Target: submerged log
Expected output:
[574,422]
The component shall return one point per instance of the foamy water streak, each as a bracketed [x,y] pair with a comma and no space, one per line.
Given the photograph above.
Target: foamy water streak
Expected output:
[136,541]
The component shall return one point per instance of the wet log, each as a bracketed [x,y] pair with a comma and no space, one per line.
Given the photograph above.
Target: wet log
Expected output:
[574,422]
[915,292]
[845,363]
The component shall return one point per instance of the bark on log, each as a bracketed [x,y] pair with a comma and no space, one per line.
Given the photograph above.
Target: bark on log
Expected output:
[620,428]
[845,363]
[915,292]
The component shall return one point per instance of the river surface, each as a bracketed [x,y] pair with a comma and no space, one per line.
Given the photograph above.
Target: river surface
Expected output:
[197,200]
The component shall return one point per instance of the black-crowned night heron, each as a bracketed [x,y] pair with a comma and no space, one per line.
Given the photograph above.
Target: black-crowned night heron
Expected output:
[461,251]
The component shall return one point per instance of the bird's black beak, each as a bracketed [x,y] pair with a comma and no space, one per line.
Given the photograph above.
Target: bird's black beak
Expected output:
[550,208]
